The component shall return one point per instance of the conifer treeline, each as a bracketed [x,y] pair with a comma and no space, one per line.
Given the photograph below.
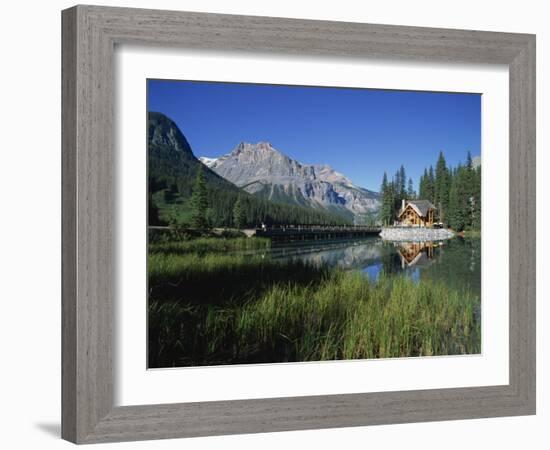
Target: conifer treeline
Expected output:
[455,192]
[225,209]
[212,207]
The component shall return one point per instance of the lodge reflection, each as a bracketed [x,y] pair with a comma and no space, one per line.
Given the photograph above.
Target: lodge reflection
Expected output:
[456,261]
[410,258]
[375,255]
[416,253]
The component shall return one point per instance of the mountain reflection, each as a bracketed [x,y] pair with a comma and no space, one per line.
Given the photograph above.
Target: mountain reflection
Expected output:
[345,254]
[457,262]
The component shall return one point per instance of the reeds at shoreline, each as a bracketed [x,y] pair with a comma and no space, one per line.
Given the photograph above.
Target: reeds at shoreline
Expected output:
[207,308]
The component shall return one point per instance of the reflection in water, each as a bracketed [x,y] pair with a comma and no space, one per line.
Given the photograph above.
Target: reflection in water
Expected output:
[346,254]
[457,262]
[415,253]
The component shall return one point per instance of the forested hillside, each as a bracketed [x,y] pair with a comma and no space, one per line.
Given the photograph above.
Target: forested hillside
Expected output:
[183,191]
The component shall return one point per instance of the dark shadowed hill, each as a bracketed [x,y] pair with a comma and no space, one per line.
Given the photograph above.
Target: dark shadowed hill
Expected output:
[171,160]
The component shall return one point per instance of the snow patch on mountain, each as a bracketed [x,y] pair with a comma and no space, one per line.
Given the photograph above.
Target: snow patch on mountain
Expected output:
[207,161]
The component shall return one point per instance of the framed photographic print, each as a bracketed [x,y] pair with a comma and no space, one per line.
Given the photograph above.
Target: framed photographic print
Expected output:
[268,222]
[255,256]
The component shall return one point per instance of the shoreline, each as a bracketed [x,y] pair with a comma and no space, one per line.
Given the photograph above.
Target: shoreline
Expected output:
[413,234]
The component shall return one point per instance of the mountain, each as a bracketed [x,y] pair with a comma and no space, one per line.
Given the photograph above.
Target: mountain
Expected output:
[172,170]
[262,170]
[358,200]
[171,160]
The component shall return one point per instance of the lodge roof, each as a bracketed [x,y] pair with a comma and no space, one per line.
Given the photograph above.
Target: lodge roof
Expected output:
[420,206]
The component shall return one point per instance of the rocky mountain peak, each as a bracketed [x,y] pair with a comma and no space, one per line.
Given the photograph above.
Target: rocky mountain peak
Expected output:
[247,147]
[263,170]
[327,173]
[163,132]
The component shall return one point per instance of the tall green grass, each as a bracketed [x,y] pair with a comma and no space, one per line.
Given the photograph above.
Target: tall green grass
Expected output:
[474,234]
[220,309]
[350,317]
[206,245]
[218,279]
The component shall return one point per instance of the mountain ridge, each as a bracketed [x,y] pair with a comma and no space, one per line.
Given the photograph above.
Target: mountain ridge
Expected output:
[172,170]
[262,170]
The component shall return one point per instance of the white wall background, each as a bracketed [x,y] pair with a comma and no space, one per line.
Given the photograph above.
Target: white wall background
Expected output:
[31,208]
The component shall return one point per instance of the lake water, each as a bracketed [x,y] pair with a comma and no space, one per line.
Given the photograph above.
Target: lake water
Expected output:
[457,261]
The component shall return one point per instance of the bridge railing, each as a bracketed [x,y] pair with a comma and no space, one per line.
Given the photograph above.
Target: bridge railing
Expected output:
[321,228]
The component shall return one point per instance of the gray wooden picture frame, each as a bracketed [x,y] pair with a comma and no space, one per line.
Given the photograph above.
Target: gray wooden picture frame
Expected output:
[90,34]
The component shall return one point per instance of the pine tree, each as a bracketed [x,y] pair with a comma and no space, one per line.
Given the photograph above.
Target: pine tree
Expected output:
[199,201]
[452,216]
[461,201]
[431,185]
[384,186]
[399,190]
[469,163]
[239,214]
[390,203]
[441,191]
[476,199]
[426,185]
[470,191]
[401,184]
[383,193]
[410,190]
[387,207]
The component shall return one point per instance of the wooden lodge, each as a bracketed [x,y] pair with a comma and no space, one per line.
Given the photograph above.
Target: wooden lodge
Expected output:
[416,213]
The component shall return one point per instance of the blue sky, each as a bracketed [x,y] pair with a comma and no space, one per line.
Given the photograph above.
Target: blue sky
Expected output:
[359,132]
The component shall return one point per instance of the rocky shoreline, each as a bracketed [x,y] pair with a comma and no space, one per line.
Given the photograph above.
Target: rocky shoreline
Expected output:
[413,234]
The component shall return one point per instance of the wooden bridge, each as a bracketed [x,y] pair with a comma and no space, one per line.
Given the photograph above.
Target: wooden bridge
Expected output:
[292,233]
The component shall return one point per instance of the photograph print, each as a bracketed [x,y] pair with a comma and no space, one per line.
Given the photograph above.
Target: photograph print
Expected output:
[298,223]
